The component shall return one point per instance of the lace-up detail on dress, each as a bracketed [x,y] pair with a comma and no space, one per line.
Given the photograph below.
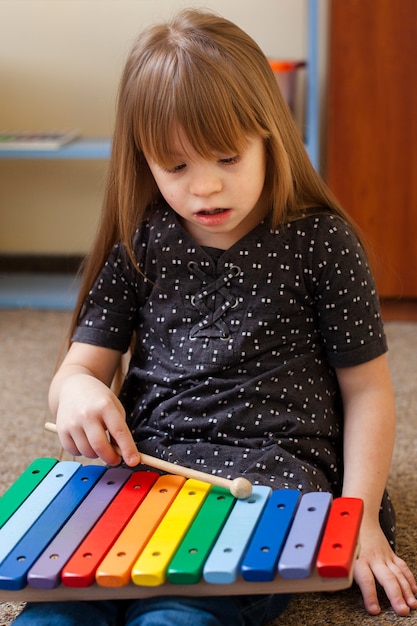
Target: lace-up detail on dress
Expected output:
[213,300]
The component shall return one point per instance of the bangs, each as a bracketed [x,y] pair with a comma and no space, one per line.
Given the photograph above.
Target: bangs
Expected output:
[196,94]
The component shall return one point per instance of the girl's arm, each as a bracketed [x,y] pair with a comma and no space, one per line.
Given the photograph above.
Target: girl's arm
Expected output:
[369,433]
[85,408]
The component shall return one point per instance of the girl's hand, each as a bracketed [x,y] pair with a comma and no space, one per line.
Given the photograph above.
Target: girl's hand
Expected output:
[88,413]
[377,562]
[86,410]
[369,434]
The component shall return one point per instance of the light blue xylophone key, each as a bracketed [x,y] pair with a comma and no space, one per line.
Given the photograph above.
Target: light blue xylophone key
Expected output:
[14,568]
[303,542]
[222,565]
[261,558]
[46,571]
[18,525]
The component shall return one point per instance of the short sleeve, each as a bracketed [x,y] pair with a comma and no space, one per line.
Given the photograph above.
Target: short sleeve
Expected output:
[345,294]
[108,316]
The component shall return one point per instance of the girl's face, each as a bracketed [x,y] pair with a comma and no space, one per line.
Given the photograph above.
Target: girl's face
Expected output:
[219,200]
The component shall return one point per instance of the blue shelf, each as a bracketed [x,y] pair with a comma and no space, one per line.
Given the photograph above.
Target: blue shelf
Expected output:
[91,148]
[313,106]
[38,291]
[78,149]
[59,292]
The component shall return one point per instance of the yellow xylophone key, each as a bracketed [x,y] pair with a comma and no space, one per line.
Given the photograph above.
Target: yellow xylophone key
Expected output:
[115,569]
[151,567]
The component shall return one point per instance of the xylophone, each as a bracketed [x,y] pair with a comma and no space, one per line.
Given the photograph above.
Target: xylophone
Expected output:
[71,531]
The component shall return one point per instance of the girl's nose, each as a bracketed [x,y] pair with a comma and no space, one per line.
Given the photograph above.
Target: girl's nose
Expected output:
[205,181]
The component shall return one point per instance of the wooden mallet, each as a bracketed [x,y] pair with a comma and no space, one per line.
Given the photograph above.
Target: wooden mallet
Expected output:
[240,487]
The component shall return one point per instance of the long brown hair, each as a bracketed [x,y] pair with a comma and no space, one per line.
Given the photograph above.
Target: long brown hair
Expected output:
[204,74]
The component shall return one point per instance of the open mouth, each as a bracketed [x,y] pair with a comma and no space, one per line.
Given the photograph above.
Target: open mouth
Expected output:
[212,212]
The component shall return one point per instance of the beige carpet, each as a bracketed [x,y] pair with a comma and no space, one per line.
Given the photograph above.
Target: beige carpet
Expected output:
[29,346]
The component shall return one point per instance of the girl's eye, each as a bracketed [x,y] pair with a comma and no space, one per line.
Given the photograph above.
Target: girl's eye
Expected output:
[230,160]
[175,169]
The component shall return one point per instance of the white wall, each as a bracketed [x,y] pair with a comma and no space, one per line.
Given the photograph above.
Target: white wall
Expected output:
[60,62]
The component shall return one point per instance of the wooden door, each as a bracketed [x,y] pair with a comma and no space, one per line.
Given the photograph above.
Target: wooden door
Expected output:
[372,131]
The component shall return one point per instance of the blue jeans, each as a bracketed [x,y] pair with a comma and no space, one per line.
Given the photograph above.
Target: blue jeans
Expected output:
[164,611]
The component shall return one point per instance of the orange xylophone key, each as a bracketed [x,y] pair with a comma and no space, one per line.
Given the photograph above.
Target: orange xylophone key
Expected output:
[115,569]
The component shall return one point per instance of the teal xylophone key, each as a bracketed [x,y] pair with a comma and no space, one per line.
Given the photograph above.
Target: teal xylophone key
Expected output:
[187,565]
[18,525]
[23,487]
[46,571]
[14,568]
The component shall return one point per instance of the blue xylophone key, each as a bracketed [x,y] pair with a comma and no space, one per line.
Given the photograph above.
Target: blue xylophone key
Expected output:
[222,565]
[261,558]
[14,568]
[303,542]
[46,571]
[18,525]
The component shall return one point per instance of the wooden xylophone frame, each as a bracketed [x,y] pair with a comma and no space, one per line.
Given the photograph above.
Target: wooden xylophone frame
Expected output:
[313,583]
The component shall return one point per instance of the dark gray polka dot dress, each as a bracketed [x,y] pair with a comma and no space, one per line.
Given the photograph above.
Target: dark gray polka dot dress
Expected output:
[233,366]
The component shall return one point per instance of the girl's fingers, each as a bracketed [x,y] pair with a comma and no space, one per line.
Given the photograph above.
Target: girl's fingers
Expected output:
[396,579]
[366,582]
[125,445]
[91,445]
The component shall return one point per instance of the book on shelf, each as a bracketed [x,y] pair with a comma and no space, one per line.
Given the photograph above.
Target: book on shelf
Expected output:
[35,140]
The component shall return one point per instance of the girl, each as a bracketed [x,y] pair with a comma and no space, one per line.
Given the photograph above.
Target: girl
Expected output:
[226,265]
